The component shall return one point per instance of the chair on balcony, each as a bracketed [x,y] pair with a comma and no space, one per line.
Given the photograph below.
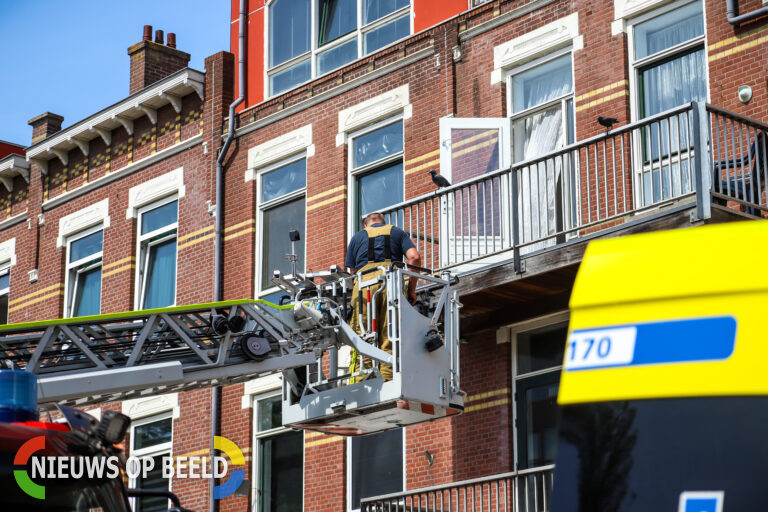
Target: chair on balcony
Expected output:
[743,185]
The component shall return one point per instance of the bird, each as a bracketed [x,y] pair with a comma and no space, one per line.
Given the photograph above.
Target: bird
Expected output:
[607,121]
[438,180]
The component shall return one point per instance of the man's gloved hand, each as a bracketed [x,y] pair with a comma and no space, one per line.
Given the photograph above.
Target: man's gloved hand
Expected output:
[412,297]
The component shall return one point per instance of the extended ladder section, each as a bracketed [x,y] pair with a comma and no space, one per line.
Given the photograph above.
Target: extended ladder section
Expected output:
[128,355]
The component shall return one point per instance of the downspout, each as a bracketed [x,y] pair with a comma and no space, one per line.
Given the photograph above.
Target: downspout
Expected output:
[732,11]
[216,396]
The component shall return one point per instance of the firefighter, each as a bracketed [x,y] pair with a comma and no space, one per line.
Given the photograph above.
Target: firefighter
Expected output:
[377,245]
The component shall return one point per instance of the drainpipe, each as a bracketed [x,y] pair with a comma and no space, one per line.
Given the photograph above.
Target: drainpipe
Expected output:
[732,7]
[216,396]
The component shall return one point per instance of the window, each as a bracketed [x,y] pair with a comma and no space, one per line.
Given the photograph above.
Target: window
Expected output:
[5,290]
[311,37]
[538,346]
[375,466]
[669,70]
[152,437]
[158,224]
[540,101]
[282,208]
[279,459]
[83,278]
[376,160]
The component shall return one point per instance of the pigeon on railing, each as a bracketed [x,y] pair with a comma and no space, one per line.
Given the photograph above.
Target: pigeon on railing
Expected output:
[608,122]
[438,180]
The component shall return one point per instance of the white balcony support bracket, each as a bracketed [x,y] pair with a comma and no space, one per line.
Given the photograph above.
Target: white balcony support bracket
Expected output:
[149,112]
[84,145]
[197,86]
[63,156]
[106,135]
[175,100]
[127,123]
[43,164]
[8,182]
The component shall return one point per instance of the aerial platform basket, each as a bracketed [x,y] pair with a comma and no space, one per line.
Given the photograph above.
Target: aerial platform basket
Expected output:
[424,361]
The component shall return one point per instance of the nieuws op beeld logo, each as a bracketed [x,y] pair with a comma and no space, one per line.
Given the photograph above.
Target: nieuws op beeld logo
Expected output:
[99,467]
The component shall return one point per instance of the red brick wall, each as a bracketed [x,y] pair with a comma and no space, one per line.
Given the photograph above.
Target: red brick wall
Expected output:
[475,444]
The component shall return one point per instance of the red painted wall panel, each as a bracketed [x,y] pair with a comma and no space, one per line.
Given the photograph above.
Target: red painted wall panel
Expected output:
[429,13]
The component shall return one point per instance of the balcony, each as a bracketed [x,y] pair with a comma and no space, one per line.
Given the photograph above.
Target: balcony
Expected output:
[503,223]
[526,490]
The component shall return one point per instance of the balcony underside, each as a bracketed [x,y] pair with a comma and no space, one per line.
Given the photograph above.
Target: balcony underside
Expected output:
[497,295]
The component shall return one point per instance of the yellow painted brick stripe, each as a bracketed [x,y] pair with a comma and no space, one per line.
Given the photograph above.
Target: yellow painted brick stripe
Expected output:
[487,394]
[486,405]
[431,163]
[470,149]
[58,293]
[737,49]
[602,100]
[195,233]
[197,241]
[118,270]
[39,292]
[117,263]
[469,140]
[333,439]
[342,188]
[249,222]
[423,157]
[239,233]
[601,90]
[327,201]
[737,38]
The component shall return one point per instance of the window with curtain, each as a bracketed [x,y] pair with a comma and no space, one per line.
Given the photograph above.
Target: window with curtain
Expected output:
[344,30]
[375,465]
[376,157]
[669,62]
[84,255]
[158,225]
[540,102]
[152,438]
[279,459]
[282,208]
[5,291]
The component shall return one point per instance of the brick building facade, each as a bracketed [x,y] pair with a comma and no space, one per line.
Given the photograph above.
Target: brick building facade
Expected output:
[503,99]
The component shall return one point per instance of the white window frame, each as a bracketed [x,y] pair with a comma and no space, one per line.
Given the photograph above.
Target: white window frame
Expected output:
[72,274]
[635,65]
[360,31]
[515,330]
[459,245]
[258,436]
[354,173]
[142,243]
[634,92]
[152,451]
[261,207]
[562,100]
[349,471]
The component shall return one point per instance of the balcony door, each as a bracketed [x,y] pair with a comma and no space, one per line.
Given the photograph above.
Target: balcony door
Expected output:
[475,217]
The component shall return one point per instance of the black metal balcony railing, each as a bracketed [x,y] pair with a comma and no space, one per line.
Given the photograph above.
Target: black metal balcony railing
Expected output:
[524,491]
[695,153]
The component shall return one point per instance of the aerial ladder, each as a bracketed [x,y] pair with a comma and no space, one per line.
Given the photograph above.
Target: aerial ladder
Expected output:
[118,356]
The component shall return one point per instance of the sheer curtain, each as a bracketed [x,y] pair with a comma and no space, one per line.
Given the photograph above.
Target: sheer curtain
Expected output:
[667,84]
[161,275]
[88,293]
[536,135]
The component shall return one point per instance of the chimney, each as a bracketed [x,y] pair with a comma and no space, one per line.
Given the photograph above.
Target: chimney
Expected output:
[152,61]
[45,125]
